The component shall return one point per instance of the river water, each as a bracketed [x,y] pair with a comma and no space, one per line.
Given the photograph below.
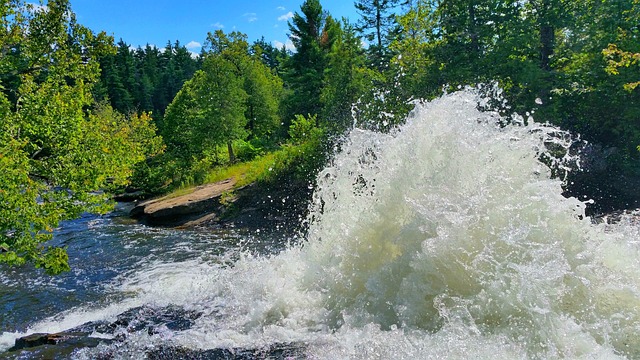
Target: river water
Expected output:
[445,240]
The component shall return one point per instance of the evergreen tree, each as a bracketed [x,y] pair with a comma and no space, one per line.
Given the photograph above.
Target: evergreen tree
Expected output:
[377,23]
[271,56]
[312,33]
[346,80]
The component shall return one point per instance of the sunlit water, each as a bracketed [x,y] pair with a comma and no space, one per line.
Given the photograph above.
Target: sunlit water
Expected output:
[445,240]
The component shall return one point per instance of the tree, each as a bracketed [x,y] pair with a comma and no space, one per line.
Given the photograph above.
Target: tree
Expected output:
[207,112]
[376,24]
[270,55]
[54,153]
[264,93]
[312,33]
[262,86]
[346,80]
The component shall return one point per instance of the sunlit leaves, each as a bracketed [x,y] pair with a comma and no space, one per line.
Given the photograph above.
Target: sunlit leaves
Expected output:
[617,58]
[57,157]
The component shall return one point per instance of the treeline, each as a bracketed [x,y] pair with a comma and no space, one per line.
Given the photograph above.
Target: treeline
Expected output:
[572,62]
[144,79]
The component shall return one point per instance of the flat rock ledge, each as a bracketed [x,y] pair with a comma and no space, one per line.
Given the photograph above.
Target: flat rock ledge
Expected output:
[202,204]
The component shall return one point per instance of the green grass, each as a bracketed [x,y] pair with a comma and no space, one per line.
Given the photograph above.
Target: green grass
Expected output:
[245,173]
[261,169]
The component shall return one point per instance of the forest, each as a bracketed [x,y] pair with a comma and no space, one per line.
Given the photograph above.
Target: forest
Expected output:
[83,116]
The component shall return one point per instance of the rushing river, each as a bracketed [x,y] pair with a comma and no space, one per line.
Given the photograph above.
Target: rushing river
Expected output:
[445,240]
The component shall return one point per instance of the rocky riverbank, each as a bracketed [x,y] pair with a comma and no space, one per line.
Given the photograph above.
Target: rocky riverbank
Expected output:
[279,207]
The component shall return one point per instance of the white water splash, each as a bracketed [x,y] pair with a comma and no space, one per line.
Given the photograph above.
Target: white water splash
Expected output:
[445,240]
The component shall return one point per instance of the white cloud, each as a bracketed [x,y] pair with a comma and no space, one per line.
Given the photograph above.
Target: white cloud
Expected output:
[281,8]
[218,25]
[193,45]
[251,17]
[288,45]
[286,16]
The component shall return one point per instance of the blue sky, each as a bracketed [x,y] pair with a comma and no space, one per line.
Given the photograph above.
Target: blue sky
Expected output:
[155,22]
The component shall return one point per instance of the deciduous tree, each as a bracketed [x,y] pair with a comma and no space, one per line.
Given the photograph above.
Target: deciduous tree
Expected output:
[56,157]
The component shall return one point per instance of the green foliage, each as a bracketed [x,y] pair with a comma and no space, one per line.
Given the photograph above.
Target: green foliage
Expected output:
[207,112]
[617,59]
[145,79]
[55,155]
[313,33]
[304,129]
[271,56]
[246,150]
[346,80]
[299,160]
[234,97]
[264,90]
[227,198]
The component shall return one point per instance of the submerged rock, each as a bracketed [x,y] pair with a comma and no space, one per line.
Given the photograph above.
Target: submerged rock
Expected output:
[275,352]
[39,339]
[92,334]
[86,338]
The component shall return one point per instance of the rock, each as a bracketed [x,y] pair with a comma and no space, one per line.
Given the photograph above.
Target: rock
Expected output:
[179,210]
[602,179]
[37,339]
[144,318]
[67,341]
[615,217]
[275,351]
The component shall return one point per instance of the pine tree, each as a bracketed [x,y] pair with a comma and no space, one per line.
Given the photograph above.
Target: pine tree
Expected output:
[312,33]
[376,24]
[346,79]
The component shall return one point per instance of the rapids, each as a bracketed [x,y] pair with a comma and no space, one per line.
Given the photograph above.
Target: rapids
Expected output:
[446,239]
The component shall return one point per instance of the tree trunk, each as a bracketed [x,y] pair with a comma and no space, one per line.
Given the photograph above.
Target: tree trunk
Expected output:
[547,39]
[473,31]
[232,156]
[547,35]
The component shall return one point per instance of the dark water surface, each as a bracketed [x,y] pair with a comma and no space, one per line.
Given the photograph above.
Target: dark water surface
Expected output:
[104,250]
